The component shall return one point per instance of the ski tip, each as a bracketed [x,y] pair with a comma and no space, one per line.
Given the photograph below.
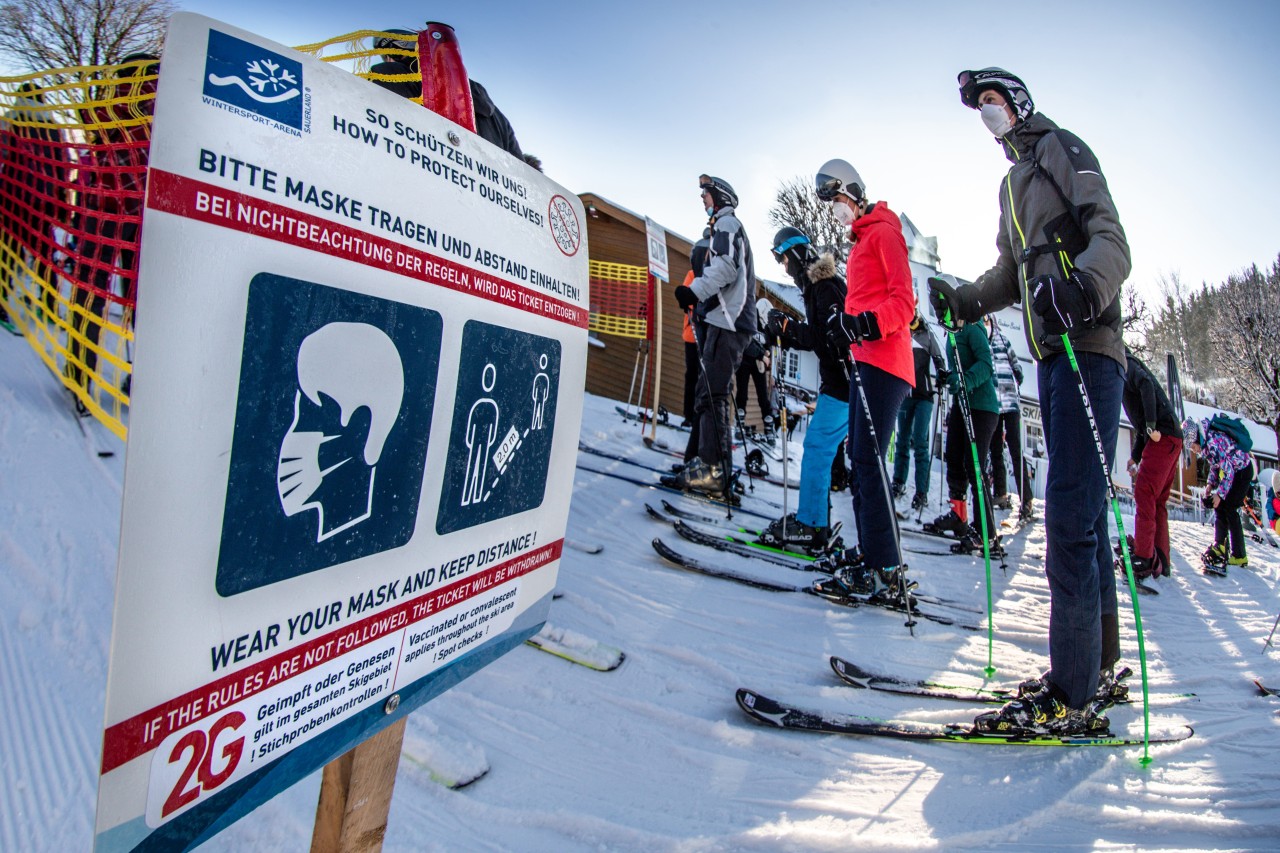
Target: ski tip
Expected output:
[759,708]
[851,674]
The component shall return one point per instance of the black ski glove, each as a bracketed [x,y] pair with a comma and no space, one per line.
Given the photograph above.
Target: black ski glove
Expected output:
[845,329]
[1065,305]
[686,297]
[776,326]
[961,306]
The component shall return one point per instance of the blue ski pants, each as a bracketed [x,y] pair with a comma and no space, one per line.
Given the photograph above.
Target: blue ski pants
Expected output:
[1078,560]
[828,425]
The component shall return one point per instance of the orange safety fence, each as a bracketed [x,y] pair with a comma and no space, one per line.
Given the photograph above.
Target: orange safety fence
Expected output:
[74,145]
[619,300]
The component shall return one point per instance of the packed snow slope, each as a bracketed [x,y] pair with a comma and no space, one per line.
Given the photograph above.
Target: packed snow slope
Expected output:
[656,756]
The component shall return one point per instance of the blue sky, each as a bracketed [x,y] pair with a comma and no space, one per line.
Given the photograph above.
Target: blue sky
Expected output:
[1178,100]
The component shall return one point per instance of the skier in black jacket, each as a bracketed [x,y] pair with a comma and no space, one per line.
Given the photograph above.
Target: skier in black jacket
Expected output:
[822,290]
[1153,463]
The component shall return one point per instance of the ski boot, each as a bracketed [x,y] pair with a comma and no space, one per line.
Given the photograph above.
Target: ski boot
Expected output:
[739,431]
[950,523]
[1143,567]
[1120,551]
[971,543]
[1215,558]
[1111,687]
[1002,502]
[1241,561]
[840,558]
[1026,511]
[708,480]
[788,532]
[847,582]
[898,490]
[892,588]
[1041,712]
[770,435]
[919,502]
[756,466]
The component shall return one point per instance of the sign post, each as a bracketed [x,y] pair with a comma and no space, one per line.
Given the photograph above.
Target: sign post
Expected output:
[361,353]
[659,270]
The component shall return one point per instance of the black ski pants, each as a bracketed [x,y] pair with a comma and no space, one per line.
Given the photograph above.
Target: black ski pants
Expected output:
[961,475]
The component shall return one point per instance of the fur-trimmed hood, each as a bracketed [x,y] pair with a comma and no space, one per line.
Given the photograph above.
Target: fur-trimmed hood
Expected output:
[823,268]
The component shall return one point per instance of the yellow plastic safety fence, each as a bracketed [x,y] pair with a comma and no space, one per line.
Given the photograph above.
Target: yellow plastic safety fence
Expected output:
[619,300]
[74,148]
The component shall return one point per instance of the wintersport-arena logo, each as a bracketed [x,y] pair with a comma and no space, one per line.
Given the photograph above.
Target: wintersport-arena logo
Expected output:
[253,82]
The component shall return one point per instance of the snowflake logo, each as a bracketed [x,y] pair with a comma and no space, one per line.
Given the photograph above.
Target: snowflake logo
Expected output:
[264,73]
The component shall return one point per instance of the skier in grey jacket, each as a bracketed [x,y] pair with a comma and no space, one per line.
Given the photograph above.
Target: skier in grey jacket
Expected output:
[1063,256]
[723,298]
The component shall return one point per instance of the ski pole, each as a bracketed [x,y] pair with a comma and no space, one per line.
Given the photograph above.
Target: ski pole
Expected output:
[1267,644]
[1124,548]
[963,399]
[763,307]
[933,431]
[884,483]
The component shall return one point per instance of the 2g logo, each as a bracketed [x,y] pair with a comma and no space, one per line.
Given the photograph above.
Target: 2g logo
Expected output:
[191,764]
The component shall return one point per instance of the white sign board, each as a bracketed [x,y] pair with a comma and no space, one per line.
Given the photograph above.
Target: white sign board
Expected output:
[657,238]
[361,352]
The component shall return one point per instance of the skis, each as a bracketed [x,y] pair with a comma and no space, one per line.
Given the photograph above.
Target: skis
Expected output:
[773,713]
[732,543]
[766,552]
[577,648]
[689,494]
[74,411]
[1213,569]
[449,761]
[856,676]
[689,563]
[645,416]
[584,547]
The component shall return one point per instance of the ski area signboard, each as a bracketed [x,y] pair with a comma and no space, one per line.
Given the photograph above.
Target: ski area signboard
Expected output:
[361,352]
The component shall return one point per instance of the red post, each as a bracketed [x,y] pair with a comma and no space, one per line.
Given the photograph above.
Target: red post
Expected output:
[446,89]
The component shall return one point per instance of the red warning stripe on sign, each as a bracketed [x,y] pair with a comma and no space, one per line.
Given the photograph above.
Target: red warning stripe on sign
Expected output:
[187,197]
[143,732]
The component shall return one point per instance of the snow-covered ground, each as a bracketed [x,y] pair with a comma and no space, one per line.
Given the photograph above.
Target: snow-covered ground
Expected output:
[656,756]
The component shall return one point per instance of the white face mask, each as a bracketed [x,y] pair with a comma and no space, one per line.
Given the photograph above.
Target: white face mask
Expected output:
[843,213]
[996,118]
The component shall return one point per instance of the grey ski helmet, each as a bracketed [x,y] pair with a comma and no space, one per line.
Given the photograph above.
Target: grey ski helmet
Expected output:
[837,176]
[974,83]
[721,192]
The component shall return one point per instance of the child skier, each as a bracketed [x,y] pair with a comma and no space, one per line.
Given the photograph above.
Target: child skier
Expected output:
[1230,473]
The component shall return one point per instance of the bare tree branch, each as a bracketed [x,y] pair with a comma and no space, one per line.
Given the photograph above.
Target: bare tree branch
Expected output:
[797,206]
[38,35]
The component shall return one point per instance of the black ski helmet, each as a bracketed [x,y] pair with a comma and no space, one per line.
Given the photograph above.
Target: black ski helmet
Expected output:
[409,43]
[793,242]
[974,83]
[722,193]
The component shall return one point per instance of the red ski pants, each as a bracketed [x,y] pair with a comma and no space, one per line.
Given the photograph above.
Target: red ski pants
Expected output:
[1151,489]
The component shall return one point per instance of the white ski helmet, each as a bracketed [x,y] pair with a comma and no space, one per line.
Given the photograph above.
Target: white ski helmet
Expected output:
[837,176]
